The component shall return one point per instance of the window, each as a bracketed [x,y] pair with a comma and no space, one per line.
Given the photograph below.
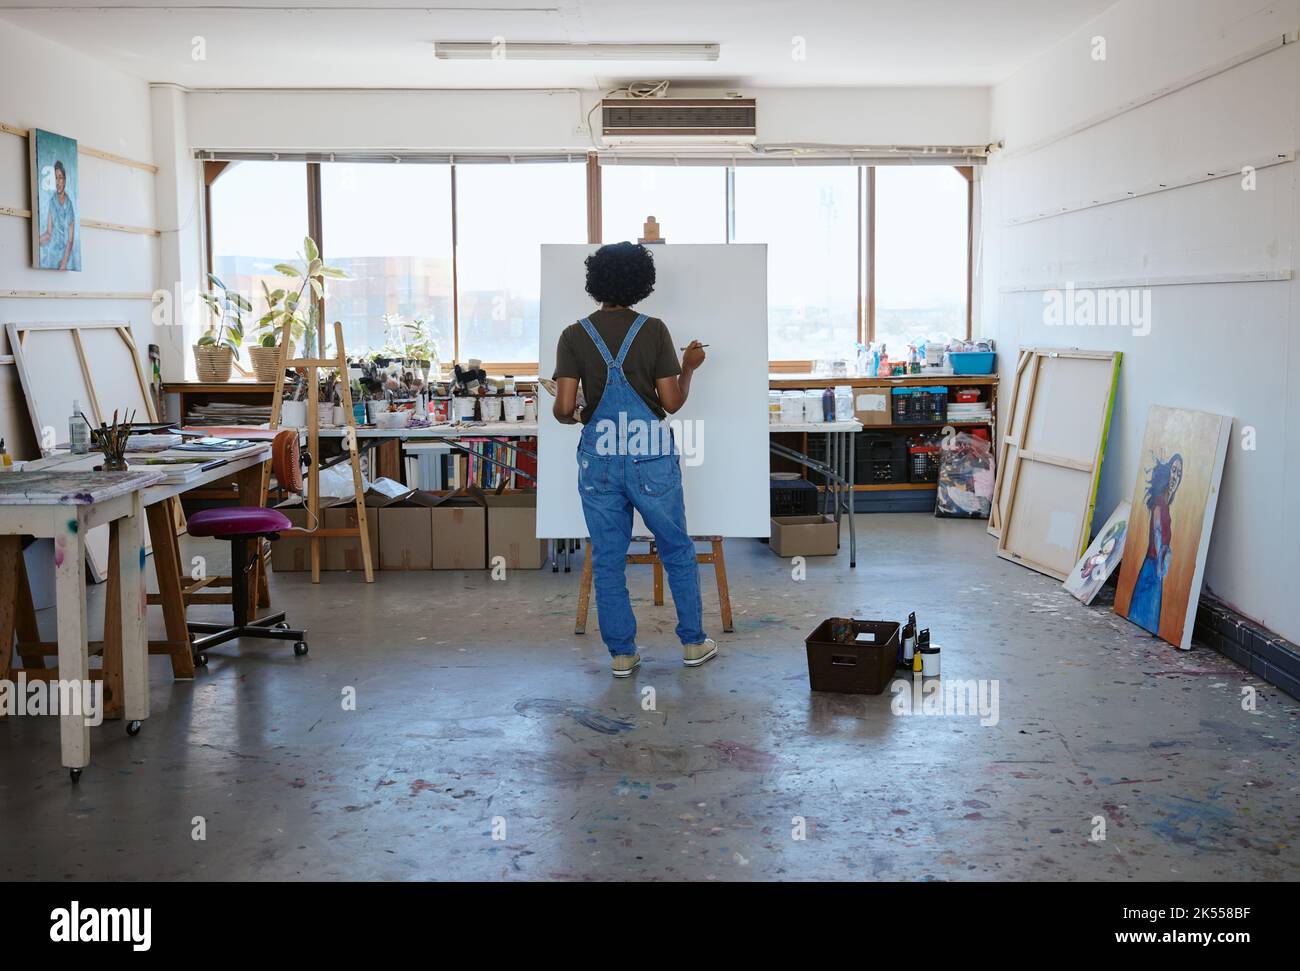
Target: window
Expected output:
[808,217]
[689,203]
[389,227]
[922,254]
[503,213]
[258,218]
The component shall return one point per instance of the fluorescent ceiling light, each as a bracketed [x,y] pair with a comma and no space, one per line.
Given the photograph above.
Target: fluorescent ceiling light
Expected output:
[502,50]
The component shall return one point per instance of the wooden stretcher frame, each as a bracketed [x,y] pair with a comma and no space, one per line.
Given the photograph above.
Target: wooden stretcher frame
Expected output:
[1006,442]
[1026,455]
[97,541]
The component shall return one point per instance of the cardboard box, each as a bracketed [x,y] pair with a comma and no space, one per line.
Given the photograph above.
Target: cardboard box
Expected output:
[805,536]
[406,532]
[344,552]
[512,531]
[460,532]
[291,554]
[871,406]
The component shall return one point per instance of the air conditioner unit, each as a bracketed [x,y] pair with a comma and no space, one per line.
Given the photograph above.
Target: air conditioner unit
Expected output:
[678,121]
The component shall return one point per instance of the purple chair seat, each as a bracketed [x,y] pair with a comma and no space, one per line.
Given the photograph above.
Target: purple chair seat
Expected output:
[238,521]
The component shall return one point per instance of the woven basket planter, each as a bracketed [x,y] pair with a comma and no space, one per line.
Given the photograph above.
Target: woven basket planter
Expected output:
[266,362]
[213,363]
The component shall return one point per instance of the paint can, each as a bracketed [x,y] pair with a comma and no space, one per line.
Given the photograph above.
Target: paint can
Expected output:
[465,407]
[512,407]
[774,407]
[930,661]
[530,409]
[491,408]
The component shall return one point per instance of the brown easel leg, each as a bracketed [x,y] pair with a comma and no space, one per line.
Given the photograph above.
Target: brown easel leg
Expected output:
[724,593]
[584,593]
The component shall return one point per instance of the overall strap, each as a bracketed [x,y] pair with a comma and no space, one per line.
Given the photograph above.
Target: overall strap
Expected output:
[627,341]
[590,328]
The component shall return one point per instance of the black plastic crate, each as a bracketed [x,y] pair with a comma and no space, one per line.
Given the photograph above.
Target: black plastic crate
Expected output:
[923,459]
[793,497]
[919,406]
[880,458]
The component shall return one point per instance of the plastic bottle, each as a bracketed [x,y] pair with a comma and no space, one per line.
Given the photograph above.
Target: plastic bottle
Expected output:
[78,431]
[6,460]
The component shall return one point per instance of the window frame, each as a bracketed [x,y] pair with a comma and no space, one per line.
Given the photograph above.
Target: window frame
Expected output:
[866,263]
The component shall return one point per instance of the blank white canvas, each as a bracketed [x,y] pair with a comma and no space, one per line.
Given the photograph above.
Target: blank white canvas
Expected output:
[716,294]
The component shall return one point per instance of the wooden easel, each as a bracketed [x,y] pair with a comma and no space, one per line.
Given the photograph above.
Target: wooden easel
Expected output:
[311,365]
[714,556]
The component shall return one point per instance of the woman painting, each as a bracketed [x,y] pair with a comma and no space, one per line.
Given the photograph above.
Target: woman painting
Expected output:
[1148,591]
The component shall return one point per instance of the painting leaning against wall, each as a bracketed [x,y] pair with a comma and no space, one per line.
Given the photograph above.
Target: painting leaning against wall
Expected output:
[56,200]
[1169,526]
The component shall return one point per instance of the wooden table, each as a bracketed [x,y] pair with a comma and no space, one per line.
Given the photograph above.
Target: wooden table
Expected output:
[62,505]
[177,588]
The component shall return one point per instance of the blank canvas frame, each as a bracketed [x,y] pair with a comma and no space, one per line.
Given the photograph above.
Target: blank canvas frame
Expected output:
[95,363]
[1053,453]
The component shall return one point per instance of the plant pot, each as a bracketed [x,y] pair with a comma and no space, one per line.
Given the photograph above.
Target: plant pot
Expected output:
[213,363]
[266,362]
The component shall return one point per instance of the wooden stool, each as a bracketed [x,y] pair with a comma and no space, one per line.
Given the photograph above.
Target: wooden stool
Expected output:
[714,556]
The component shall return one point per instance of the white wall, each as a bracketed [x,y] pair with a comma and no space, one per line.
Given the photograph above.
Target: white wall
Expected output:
[45,85]
[502,120]
[1231,348]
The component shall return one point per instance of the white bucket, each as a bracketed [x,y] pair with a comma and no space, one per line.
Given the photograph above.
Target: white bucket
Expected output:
[293,414]
[512,407]
[791,407]
[530,409]
[812,407]
[843,402]
[465,407]
[491,408]
[374,409]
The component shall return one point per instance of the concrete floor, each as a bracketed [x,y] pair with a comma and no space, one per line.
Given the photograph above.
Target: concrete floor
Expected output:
[475,704]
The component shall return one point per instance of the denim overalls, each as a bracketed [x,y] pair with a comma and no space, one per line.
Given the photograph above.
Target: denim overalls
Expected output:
[614,480]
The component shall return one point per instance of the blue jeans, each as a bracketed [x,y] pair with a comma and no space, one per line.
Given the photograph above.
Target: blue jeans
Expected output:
[611,486]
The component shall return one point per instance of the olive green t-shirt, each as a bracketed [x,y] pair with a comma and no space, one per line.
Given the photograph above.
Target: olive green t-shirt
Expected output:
[651,356]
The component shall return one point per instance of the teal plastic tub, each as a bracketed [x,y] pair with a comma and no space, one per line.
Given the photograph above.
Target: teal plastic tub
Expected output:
[972,362]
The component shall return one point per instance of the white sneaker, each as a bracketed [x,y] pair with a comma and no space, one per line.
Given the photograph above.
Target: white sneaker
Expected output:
[693,655]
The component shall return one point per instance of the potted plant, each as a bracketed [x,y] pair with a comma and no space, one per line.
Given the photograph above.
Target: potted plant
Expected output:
[292,306]
[216,350]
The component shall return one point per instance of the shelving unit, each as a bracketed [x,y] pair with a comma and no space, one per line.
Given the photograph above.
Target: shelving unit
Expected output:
[987,383]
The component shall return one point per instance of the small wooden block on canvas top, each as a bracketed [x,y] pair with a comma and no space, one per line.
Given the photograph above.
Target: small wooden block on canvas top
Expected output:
[1059,439]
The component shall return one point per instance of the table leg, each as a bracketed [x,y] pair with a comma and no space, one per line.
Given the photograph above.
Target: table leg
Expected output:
[853,498]
[166,564]
[112,656]
[11,552]
[74,666]
[134,641]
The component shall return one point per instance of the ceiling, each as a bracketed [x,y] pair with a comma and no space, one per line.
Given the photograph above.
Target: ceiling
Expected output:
[389,43]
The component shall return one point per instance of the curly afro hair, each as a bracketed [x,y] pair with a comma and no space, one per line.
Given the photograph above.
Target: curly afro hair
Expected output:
[621,274]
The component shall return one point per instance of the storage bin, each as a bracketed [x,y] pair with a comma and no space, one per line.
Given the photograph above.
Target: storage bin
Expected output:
[881,458]
[793,497]
[920,406]
[972,362]
[841,662]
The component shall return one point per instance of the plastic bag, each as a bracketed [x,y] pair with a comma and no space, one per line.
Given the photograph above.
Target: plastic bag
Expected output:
[965,486]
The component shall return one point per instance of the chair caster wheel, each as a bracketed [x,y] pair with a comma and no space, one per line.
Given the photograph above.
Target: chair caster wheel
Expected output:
[282,626]
[300,648]
[133,728]
[75,775]
[201,660]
